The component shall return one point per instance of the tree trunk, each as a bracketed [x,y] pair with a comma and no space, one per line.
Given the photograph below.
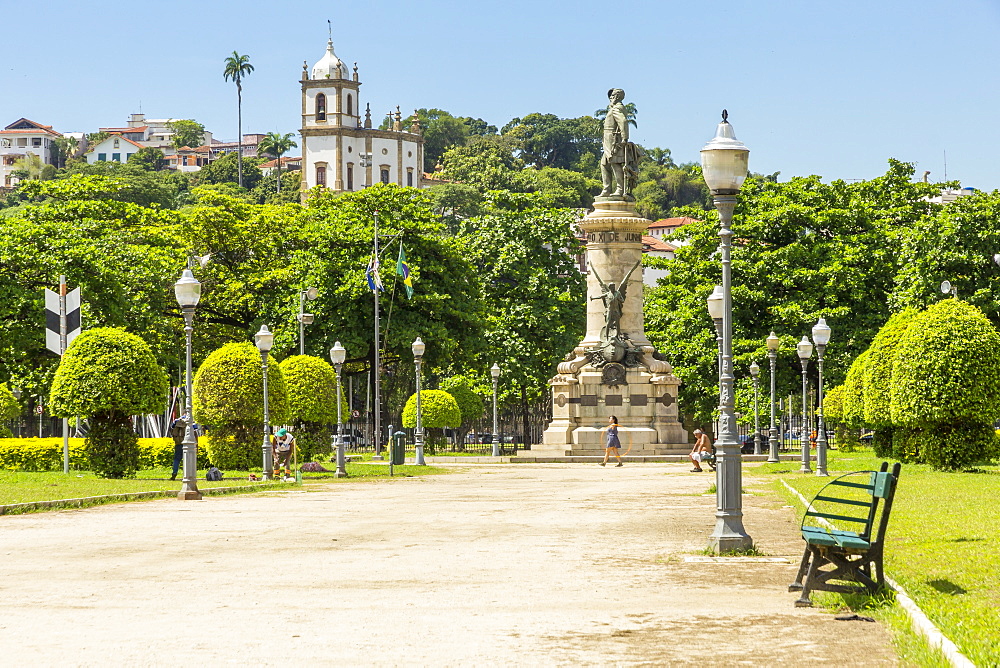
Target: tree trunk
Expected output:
[239,130]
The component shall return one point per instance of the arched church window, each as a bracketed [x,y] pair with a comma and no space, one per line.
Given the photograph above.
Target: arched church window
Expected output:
[321,107]
[384,175]
[350,105]
[320,175]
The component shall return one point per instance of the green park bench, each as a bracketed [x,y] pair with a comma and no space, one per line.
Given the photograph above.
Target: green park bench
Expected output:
[844,530]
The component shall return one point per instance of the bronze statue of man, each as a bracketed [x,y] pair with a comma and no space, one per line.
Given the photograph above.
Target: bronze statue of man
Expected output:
[615,144]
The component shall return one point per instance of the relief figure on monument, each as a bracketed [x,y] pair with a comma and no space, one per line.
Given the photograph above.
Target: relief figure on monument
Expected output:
[613,296]
[620,160]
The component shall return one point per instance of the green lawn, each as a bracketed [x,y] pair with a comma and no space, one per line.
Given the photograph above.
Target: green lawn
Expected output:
[942,545]
[24,487]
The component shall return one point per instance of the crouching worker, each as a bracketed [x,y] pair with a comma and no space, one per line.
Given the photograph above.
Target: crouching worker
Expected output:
[701,446]
[282,446]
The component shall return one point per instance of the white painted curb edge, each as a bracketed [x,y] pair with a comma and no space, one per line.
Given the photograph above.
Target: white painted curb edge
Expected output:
[921,624]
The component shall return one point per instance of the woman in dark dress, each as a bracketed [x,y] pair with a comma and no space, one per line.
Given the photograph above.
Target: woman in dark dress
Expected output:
[611,443]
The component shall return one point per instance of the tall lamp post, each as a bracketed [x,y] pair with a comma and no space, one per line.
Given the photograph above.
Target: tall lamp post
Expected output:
[773,343]
[337,355]
[495,372]
[821,336]
[305,318]
[418,348]
[755,373]
[264,339]
[805,351]
[724,163]
[187,290]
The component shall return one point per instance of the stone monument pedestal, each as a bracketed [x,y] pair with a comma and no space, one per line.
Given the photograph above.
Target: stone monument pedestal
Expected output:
[638,387]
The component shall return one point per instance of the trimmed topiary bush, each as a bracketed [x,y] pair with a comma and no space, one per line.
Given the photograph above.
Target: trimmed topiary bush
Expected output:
[438,410]
[945,386]
[876,377]
[312,403]
[46,454]
[229,401]
[854,391]
[469,403]
[108,375]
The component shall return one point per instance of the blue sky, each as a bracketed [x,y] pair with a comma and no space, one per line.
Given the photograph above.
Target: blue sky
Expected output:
[833,89]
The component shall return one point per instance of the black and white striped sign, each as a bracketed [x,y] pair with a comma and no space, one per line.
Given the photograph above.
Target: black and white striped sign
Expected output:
[62,318]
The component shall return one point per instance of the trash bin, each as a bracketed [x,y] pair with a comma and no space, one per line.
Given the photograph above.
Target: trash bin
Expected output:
[398,448]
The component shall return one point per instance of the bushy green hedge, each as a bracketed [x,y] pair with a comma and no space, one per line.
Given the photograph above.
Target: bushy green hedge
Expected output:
[876,377]
[46,454]
[229,401]
[945,386]
[854,391]
[469,403]
[107,369]
[438,409]
[108,375]
[312,403]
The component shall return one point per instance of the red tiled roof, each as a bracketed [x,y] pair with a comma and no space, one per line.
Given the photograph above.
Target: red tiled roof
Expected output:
[654,244]
[671,222]
[284,161]
[38,127]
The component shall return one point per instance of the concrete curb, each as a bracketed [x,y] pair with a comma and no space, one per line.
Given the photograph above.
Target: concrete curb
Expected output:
[580,459]
[87,501]
[918,620]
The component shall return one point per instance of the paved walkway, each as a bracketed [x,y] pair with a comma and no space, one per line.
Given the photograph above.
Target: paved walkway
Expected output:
[491,565]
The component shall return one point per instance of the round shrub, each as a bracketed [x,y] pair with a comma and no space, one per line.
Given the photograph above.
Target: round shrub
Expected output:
[469,403]
[312,402]
[438,409]
[229,400]
[108,375]
[944,384]
[853,404]
[876,376]
[10,407]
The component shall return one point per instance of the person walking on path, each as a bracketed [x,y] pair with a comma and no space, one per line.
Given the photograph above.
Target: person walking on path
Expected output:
[611,443]
[701,446]
[177,428]
[282,444]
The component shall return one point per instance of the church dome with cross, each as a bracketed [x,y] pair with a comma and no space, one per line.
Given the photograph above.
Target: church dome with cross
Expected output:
[329,66]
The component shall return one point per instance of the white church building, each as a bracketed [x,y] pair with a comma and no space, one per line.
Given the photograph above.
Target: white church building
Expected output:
[340,148]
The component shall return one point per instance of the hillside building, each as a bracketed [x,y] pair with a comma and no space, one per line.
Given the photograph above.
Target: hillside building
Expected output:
[23,137]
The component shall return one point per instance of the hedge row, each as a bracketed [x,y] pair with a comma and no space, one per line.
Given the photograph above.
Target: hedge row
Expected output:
[46,454]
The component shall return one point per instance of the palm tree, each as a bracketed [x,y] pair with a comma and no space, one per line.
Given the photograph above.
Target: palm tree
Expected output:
[277,145]
[630,112]
[237,67]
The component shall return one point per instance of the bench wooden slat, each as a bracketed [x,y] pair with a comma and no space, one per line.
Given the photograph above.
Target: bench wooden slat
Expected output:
[844,483]
[865,504]
[845,518]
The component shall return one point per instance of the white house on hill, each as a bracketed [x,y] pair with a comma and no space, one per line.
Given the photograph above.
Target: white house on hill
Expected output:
[23,137]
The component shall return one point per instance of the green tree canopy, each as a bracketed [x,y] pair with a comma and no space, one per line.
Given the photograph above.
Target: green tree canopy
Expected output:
[187,132]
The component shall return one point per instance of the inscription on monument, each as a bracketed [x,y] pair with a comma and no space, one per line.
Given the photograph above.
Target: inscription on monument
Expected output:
[588,400]
[612,237]
[612,400]
[639,400]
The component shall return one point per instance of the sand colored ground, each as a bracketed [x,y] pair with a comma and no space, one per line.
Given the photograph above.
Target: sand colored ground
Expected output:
[548,564]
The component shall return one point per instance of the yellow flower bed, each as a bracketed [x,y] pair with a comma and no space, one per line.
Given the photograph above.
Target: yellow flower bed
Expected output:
[46,454]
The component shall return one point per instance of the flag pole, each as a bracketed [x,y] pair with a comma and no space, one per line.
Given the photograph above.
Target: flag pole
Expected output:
[378,375]
[62,352]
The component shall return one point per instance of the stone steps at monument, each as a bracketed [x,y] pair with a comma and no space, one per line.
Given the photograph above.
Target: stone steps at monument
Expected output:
[527,458]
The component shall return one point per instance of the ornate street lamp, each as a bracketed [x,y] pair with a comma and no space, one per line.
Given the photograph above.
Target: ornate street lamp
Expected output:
[495,372]
[773,344]
[337,355]
[418,348]
[821,336]
[755,373]
[264,339]
[724,163]
[805,351]
[305,318]
[187,291]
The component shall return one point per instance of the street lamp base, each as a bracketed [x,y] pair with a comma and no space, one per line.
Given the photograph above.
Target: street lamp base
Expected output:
[722,544]
[378,458]
[189,495]
[340,474]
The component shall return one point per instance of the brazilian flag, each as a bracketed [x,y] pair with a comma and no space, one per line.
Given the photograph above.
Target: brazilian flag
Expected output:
[403,270]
